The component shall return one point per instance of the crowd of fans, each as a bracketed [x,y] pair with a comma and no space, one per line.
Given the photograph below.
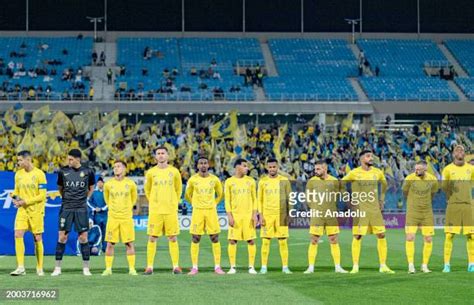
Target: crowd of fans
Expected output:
[298,147]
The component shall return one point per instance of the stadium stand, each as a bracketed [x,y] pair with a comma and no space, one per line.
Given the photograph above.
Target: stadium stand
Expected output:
[466,85]
[310,69]
[402,76]
[463,52]
[36,68]
[184,69]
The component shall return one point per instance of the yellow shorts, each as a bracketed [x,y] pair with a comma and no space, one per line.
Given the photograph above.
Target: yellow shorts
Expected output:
[459,217]
[371,223]
[243,229]
[204,221]
[163,224]
[120,230]
[320,225]
[33,222]
[273,228]
[425,221]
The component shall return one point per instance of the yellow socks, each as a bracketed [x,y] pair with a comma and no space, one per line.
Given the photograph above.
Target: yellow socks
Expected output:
[109,260]
[252,253]
[382,250]
[283,243]
[356,246]
[232,251]
[312,252]
[336,254]
[39,251]
[448,248]
[265,250]
[131,261]
[20,251]
[174,253]
[150,254]
[427,249]
[194,254]
[410,251]
[216,251]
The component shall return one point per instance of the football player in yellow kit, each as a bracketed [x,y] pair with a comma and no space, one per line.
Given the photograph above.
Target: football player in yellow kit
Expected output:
[29,196]
[163,187]
[365,182]
[419,189]
[241,207]
[204,192]
[120,195]
[457,182]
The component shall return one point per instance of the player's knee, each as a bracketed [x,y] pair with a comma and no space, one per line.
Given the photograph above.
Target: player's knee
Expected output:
[62,238]
[172,239]
[232,242]
[380,235]
[196,239]
[428,239]
[333,239]
[314,239]
[411,237]
[19,233]
[214,238]
[449,236]
[152,239]
[38,237]
[251,242]
[358,237]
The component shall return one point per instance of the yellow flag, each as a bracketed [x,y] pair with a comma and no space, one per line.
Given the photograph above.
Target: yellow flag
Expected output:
[225,128]
[62,124]
[177,126]
[2,129]
[240,136]
[26,143]
[347,122]
[111,118]
[54,150]
[41,114]
[278,141]
[103,152]
[171,151]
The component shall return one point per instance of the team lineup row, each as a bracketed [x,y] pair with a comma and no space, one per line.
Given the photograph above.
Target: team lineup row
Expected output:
[245,206]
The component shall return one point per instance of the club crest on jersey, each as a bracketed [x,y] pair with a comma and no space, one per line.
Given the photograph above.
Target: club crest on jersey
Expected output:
[170,175]
[82,174]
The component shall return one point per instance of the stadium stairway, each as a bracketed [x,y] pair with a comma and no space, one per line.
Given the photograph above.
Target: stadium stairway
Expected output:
[269,62]
[356,51]
[457,67]
[104,91]
[358,89]
[459,92]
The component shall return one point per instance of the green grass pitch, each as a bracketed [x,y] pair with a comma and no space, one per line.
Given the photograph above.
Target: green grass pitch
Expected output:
[322,287]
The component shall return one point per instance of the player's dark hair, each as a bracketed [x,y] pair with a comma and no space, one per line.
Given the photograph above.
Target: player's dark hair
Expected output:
[272,160]
[239,162]
[121,161]
[421,162]
[76,153]
[365,151]
[201,157]
[24,153]
[160,147]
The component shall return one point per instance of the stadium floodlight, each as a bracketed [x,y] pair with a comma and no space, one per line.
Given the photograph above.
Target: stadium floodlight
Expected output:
[166,113]
[352,22]
[154,113]
[95,20]
[251,113]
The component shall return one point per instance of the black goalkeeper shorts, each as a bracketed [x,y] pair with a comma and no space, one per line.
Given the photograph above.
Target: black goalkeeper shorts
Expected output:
[79,218]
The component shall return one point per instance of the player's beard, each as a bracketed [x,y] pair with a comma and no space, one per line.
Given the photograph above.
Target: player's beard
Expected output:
[370,163]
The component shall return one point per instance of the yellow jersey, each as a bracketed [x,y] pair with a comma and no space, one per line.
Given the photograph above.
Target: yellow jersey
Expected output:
[419,192]
[273,194]
[365,185]
[329,189]
[120,196]
[457,182]
[163,187]
[204,192]
[240,196]
[31,187]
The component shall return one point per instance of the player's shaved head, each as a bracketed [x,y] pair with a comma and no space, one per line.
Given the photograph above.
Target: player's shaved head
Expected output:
[320,168]
[420,168]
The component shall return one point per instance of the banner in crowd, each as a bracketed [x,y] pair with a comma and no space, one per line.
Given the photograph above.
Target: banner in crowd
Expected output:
[141,222]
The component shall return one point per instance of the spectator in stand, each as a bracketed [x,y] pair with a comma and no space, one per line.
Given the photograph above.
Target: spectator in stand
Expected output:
[102,58]
[122,70]
[147,53]
[193,71]
[91,93]
[94,58]
[109,76]
[377,71]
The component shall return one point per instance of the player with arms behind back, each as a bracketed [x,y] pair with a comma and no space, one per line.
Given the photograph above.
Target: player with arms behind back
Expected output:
[365,182]
[273,200]
[457,181]
[204,192]
[163,187]
[419,189]
[323,182]
[241,207]
[75,184]
[120,195]
[29,196]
